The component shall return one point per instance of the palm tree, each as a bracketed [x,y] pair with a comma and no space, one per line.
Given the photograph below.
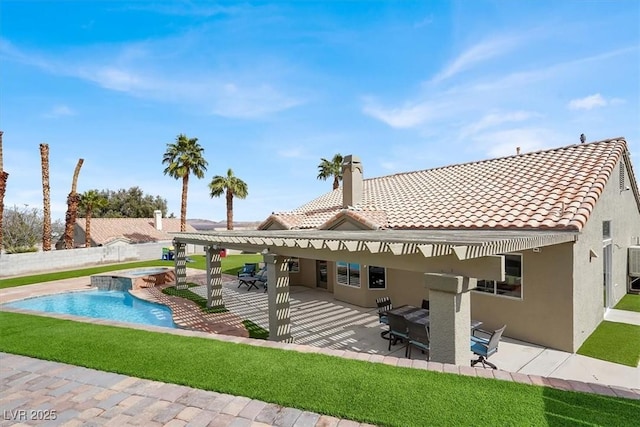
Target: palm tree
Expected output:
[183,157]
[3,186]
[46,198]
[72,208]
[331,169]
[89,200]
[233,186]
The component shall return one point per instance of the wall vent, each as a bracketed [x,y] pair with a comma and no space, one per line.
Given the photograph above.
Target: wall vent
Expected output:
[634,261]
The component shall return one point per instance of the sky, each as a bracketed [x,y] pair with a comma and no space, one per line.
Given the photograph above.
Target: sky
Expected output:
[270,88]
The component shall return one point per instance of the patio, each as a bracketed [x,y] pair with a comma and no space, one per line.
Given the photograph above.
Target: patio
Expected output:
[319,320]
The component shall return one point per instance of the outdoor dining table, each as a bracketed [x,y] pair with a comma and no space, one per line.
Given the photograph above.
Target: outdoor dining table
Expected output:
[421,315]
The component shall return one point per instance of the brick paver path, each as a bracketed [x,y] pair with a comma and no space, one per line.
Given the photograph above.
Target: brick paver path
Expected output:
[38,392]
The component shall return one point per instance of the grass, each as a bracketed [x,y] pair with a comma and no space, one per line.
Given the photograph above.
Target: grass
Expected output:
[614,342]
[255,330]
[230,265]
[629,302]
[366,392]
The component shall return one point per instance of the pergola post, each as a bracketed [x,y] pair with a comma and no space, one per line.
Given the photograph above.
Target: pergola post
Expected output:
[450,317]
[278,297]
[214,278]
[181,264]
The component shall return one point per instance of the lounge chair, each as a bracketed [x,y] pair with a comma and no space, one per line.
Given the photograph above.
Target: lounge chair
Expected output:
[254,280]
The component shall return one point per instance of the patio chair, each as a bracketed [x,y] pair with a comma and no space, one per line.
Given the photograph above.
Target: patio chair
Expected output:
[484,344]
[254,280]
[384,305]
[248,270]
[418,337]
[398,330]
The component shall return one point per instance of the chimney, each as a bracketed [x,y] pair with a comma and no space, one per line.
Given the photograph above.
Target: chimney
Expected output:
[582,138]
[351,181]
[157,219]
[517,151]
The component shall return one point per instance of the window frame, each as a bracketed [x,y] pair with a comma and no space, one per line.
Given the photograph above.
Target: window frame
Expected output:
[494,289]
[384,280]
[294,265]
[348,275]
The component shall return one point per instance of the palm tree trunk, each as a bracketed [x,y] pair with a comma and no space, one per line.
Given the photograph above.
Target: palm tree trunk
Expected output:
[336,182]
[87,239]
[183,205]
[3,186]
[46,198]
[229,210]
[72,208]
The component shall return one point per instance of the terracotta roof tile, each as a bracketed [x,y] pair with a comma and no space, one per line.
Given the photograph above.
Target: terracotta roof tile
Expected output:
[554,189]
[137,230]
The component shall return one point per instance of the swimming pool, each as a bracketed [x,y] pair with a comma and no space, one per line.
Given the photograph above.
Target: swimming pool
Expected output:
[113,305]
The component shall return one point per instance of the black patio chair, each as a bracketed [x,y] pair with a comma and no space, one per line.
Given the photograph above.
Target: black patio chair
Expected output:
[384,305]
[398,331]
[418,337]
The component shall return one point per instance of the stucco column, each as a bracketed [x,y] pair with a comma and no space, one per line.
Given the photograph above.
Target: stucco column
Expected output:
[450,317]
[278,297]
[214,278]
[181,264]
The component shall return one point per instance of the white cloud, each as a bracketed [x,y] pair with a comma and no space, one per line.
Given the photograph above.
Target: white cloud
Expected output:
[247,93]
[59,111]
[480,52]
[588,102]
[407,116]
[495,119]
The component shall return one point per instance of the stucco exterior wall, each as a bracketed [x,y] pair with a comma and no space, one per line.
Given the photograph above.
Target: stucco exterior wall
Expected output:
[544,315]
[621,209]
[307,274]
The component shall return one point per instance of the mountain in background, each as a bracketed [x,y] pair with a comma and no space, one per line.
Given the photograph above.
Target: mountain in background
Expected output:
[208,225]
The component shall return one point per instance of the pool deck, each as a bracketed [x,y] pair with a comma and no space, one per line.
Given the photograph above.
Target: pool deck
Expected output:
[320,324]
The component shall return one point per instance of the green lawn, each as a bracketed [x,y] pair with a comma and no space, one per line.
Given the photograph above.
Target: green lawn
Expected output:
[230,265]
[366,392]
[615,342]
[629,302]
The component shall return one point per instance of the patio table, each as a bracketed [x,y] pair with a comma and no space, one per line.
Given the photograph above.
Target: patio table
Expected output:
[421,315]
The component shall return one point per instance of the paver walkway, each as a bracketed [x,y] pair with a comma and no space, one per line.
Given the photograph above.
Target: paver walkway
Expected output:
[83,396]
[37,392]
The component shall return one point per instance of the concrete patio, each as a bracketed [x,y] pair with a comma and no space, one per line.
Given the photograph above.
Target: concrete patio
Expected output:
[319,320]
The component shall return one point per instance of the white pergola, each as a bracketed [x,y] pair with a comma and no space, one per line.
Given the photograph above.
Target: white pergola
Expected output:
[451,260]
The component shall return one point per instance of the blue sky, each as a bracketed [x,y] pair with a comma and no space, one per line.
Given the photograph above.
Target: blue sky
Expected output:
[270,88]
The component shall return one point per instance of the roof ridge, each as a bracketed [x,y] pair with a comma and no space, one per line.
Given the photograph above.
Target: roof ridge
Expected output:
[493,159]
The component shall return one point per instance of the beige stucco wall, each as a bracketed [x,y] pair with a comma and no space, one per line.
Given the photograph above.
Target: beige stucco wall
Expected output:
[621,209]
[544,314]
[307,274]
[403,287]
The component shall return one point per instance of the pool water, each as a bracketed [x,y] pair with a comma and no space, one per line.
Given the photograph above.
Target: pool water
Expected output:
[112,305]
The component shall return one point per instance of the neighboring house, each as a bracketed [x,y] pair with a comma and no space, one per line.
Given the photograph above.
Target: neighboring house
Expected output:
[546,234]
[122,231]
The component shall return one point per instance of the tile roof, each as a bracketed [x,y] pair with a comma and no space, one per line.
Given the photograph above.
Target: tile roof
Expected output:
[137,230]
[552,189]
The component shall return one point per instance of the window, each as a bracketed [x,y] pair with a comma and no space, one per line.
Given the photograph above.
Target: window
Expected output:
[294,265]
[377,277]
[512,285]
[348,274]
